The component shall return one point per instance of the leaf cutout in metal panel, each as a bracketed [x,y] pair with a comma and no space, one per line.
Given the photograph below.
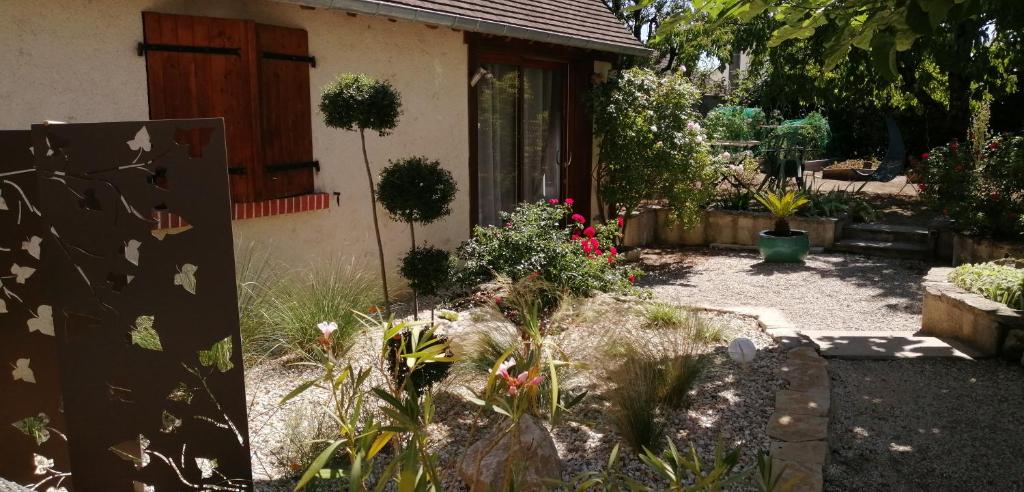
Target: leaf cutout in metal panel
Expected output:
[21,273]
[169,423]
[32,246]
[141,141]
[131,251]
[218,355]
[22,371]
[186,277]
[35,427]
[42,463]
[3,307]
[181,393]
[3,203]
[133,451]
[160,234]
[144,335]
[206,466]
[43,322]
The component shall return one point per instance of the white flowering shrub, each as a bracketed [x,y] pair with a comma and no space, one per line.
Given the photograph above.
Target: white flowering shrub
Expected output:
[652,144]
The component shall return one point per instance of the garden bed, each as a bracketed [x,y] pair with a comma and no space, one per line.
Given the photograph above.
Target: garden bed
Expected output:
[972,249]
[724,227]
[726,402]
[949,311]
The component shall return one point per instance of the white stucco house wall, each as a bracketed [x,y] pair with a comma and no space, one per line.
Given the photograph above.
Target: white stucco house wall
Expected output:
[81,61]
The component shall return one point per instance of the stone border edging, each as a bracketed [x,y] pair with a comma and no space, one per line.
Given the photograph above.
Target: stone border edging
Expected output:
[984,324]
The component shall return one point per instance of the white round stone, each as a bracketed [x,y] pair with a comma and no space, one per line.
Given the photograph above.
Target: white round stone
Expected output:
[742,350]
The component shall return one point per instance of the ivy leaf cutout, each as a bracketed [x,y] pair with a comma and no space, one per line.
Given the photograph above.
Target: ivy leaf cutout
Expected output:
[3,203]
[186,277]
[131,251]
[43,322]
[21,273]
[22,371]
[32,246]
[35,427]
[3,307]
[141,141]
[206,466]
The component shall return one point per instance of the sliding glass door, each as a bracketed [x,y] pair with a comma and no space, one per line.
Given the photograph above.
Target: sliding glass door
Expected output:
[520,138]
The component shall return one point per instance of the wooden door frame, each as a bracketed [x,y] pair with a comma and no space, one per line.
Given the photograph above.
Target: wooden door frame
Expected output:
[577,135]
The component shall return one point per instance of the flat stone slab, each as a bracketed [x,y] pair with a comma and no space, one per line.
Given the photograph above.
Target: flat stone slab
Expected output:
[805,376]
[791,402]
[797,428]
[802,477]
[808,452]
[883,345]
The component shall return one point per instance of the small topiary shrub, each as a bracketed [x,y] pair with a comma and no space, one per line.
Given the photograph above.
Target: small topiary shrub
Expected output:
[428,269]
[548,240]
[359,102]
[1000,283]
[416,190]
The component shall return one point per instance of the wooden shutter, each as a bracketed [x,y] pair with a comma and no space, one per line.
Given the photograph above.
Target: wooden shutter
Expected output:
[196,85]
[286,118]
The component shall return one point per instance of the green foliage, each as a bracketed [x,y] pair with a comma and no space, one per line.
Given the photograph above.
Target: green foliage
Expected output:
[534,240]
[661,315]
[360,102]
[297,303]
[684,472]
[735,123]
[979,190]
[1000,283]
[836,203]
[651,146]
[811,132]
[428,269]
[736,198]
[782,207]
[416,190]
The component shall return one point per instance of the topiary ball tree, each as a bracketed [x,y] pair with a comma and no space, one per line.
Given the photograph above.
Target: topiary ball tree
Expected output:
[427,268]
[357,102]
[417,190]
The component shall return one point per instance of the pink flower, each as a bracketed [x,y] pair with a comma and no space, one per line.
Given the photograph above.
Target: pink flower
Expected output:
[620,220]
[613,250]
[569,201]
[589,232]
[575,237]
[578,218]
[536,381]
[924,156]
[553,201]
[326,330]
[505,366]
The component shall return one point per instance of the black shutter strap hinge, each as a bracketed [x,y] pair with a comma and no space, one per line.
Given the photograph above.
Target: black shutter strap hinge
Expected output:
[286,57]
[292,166]
[181,48]
[236,171]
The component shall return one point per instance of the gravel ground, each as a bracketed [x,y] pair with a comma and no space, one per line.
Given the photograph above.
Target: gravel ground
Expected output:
[926,425]
[829,292]
[728,403]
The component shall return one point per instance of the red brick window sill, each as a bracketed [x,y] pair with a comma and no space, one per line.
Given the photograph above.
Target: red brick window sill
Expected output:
[253,210]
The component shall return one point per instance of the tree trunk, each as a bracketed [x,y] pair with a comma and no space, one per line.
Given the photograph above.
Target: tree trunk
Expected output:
[415,298]
[376,226]
[958,119]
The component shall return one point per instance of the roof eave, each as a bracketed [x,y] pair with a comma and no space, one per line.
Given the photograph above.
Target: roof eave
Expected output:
[379,8]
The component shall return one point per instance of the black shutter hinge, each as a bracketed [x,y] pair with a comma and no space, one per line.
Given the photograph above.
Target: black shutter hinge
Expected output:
[142,48]
[286,57]
[293,166]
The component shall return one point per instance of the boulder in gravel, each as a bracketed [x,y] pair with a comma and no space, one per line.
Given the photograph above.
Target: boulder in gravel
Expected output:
[485,466]
[1013,346]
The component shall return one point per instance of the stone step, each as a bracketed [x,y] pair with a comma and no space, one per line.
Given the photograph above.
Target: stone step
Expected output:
[887,232]
[891,249]
[885,345]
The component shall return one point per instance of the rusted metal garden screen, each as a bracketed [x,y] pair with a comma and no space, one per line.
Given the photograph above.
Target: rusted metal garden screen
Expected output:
[145,320]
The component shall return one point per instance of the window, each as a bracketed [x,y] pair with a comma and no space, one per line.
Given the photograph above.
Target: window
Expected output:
[253,75]
[520,135]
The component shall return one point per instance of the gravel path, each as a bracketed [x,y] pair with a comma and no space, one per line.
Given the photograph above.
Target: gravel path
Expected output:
[926,425]
[829,292]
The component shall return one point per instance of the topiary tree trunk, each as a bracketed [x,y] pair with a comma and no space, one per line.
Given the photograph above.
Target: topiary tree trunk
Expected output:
[376,224]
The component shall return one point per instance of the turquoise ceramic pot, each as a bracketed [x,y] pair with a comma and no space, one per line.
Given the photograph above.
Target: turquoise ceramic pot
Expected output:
[784,249]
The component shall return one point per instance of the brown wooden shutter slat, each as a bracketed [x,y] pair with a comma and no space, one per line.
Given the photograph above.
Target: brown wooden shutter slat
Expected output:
[286,121]
[196,85]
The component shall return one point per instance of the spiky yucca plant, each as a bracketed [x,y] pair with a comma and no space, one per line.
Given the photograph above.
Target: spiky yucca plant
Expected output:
[782,207]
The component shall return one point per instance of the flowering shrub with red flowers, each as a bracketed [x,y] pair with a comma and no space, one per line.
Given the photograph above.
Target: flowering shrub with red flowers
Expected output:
[550,239]
[982,191]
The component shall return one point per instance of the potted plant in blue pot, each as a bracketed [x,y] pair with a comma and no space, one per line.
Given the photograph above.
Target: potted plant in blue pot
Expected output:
[783,244]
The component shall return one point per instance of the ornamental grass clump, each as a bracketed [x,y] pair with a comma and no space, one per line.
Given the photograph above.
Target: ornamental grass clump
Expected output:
[357,102]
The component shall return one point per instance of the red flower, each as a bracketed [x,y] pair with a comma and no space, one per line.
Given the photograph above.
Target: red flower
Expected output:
[620,220]
[594,244]
[995,196]
[922,187]
[954,145]
[959,168]
[569,201]
[611,258]
[553,201]
[508,224]
[613,251]
[924,156]
[587,249]
[631,278]
[578,218]
[498,299]
[589,232]
[575,237]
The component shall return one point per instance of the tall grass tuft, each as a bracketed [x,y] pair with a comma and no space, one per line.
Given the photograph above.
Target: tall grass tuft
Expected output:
[254,273]
[661,315]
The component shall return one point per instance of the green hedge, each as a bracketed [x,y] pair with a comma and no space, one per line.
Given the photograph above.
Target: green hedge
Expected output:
[1000,283]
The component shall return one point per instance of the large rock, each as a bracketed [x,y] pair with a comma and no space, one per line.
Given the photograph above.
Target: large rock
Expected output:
[797,428]
[1013,346]
[534,459]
